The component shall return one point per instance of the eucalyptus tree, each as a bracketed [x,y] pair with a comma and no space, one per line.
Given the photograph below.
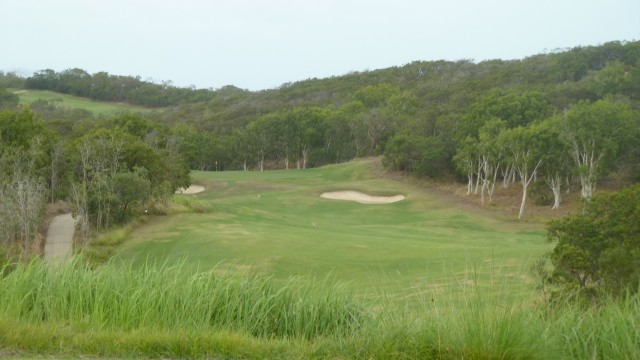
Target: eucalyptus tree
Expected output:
[491,154]
[526,151]
[307,130]
[260,135]
[596,133]
[469,162]
[338,137]
[243,150]
[557,167]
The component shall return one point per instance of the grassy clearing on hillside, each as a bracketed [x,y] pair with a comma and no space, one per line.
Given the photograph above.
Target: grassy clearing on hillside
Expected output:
[68,101]
[275,223]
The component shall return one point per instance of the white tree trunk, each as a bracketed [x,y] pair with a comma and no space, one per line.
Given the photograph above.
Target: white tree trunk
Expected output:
[492,183]
[525,179]
[524,199]
[587,163]
[478,175]
[555,183]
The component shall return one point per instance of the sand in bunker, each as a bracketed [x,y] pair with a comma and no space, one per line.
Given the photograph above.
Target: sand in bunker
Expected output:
[193,189]
[361,197]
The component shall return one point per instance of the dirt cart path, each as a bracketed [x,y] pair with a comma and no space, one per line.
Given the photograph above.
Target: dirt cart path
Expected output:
[59,240]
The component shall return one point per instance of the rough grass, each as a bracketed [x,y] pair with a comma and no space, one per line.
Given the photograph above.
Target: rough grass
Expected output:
[168,312]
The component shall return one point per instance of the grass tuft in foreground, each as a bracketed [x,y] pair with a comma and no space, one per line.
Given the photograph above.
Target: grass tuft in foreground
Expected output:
[119,297]
[161,311]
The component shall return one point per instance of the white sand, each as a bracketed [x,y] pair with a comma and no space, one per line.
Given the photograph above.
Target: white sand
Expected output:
[193,189]
[361,198]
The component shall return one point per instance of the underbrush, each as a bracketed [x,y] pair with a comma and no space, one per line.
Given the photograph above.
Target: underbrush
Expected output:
[161,311]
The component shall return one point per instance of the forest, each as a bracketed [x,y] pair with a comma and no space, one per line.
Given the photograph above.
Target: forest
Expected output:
[567,118]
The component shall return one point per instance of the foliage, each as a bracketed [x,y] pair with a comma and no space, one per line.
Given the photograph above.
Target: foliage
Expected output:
[597,251]
[424,156]
[25,158]
[104,87]
[8,99]
[596,135]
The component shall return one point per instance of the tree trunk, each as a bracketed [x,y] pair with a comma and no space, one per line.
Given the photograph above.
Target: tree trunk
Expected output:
[478,176]
[524,199]
[305,154]
[555,183]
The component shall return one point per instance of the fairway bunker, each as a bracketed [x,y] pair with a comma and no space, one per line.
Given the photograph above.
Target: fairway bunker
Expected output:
[193,189]
[361,197]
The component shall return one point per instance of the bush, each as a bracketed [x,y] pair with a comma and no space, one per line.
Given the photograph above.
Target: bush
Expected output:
[598,251]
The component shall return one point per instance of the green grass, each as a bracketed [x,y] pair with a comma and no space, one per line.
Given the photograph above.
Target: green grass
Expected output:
[275,223]
[168,312]
[68,101]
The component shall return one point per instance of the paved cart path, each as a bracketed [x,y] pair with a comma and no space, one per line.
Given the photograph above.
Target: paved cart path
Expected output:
[59,240]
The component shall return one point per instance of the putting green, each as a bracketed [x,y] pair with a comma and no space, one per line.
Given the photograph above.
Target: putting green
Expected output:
[427,246]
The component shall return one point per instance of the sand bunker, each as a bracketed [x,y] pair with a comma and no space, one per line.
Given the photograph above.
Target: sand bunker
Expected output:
[193,189]
[361,198]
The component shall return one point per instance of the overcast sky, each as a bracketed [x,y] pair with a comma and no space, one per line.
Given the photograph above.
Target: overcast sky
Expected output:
[260,44]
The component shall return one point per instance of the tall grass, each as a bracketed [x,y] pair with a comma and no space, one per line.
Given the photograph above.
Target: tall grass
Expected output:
[119,297]
[162,311]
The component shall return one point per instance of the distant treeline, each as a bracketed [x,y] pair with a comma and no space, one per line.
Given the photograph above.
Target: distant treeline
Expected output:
[105,87]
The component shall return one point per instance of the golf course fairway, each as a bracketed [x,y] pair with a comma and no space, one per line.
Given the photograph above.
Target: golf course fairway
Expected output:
[429,246]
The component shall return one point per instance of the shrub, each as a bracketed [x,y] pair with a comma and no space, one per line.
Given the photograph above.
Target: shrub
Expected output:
[598,251]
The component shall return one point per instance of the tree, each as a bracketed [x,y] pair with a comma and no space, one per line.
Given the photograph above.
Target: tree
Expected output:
[307,131]
[557,163]
[243,149]
[8,100]
[130,189]
[596,133]
[491,155]
[259,134]
[24,199]
[526,147]
[612,79]
[599,249]
[516,108]
[468,161]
